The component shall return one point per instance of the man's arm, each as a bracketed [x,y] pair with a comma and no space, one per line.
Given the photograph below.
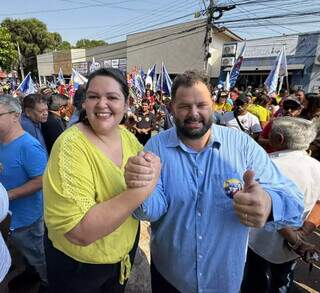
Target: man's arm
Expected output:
[26,189]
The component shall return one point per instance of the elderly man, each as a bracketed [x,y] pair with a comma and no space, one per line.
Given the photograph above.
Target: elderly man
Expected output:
[199,223]
[272,256]
[23,161]
[35,112]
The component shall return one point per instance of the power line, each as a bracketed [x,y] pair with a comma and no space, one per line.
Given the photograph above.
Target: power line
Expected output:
[192,30]
[71,8]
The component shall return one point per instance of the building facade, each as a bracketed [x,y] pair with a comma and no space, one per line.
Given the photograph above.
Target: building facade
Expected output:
[303,59]
[179,47]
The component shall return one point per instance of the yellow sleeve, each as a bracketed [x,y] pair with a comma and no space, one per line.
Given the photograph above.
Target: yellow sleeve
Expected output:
[132,142]
[68,184]
[264,115]
[228,107]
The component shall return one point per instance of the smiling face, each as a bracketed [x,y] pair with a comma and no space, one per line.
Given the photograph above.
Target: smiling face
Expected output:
[192,110]
[104,104]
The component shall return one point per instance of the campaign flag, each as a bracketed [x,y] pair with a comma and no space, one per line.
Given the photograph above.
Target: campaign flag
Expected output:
[27,86]
[77,79]
[94,65]
[227,82]
[60,78]
[164,82]
[138,84]
[279,69]
[152,77]
[235,71]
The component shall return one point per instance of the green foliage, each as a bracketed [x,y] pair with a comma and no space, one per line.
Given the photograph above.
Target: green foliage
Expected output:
[8,52]
[85,43]
[64,46]
[33,38]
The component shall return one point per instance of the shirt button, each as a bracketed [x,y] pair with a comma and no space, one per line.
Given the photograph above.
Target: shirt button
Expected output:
[200,255]
[199,214]
[201,172]
[200,237]
[200,274]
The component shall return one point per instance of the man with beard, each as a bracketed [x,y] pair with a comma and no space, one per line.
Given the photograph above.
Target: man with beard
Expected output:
[199,213]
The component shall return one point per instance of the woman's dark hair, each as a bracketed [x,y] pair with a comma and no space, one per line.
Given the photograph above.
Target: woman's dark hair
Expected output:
[262,100]
[314,104]
[113,73]
[79,97]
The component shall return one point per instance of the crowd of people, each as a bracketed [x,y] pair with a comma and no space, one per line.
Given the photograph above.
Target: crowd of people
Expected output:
[78,174]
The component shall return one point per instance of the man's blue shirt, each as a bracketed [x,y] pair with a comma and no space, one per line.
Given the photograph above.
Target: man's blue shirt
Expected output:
[198,243]
[21,160]
[33,128]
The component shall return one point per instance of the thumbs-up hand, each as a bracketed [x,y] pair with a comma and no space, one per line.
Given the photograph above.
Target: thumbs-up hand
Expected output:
[252,204]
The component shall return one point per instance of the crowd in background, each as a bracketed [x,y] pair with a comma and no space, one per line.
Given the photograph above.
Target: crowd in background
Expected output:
[47,114]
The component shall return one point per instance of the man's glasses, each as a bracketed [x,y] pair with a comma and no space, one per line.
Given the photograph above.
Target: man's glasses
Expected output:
[1,114]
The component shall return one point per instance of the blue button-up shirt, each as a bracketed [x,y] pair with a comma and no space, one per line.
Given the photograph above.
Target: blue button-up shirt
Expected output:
[32,128]
[198,243]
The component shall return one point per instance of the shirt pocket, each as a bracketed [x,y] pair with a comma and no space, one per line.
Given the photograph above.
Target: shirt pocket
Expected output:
[220,199]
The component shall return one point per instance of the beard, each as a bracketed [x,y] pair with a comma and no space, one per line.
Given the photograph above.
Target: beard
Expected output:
[183,130]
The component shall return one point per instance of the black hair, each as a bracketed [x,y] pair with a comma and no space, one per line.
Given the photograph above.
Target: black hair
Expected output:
[113,73]
[186,79]
[31,100]
[79,97]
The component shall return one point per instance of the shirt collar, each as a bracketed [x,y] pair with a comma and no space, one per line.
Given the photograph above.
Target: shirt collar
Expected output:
[286,152]
[175,141]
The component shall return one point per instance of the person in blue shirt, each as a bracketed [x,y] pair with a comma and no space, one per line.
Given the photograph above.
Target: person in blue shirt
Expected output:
[23,160]
[200,231]
[35,112]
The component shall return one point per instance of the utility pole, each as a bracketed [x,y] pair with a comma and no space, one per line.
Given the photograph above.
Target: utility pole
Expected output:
[20,62]
[208,38]
[213,13]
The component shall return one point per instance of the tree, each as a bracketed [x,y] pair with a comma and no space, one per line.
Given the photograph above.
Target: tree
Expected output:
[33,38]
[64,46]
[8,52]
[85,43]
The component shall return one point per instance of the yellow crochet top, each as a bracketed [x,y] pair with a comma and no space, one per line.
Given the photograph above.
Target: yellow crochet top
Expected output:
[77,177]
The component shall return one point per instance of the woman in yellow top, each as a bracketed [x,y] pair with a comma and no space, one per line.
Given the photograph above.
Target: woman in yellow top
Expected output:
[92,237]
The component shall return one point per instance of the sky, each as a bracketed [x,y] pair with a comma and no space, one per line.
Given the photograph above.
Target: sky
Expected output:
[111,20]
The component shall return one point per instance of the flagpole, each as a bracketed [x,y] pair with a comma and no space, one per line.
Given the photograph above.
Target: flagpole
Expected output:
[161,96]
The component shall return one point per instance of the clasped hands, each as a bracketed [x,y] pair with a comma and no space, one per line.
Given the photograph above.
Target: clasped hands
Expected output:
[252,204]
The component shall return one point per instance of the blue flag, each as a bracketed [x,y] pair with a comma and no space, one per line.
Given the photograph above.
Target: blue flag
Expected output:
[164,82]
[152,77]
[27,86]
[60,78]
[235,71]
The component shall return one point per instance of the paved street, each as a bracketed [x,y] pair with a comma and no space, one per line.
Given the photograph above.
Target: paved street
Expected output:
[139,281]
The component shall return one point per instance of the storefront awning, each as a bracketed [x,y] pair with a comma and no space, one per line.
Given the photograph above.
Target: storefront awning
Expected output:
[266,68]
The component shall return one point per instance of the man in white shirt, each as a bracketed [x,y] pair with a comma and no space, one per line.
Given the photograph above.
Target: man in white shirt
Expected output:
[5,259]
[241,119]
[270,261]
